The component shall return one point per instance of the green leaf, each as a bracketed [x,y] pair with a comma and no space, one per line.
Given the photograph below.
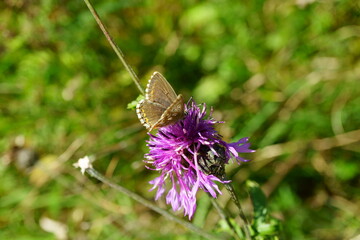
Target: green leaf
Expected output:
[132,105]
[264,226]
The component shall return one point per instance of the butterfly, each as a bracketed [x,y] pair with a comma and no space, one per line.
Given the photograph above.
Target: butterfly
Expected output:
[161,106]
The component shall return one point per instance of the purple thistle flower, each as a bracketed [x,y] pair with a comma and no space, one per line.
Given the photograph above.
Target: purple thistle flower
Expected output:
[191,154]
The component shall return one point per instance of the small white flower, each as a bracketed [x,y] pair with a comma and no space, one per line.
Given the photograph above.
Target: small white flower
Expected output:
[83,163]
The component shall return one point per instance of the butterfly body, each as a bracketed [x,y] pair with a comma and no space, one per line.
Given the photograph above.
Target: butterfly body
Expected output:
[161,106]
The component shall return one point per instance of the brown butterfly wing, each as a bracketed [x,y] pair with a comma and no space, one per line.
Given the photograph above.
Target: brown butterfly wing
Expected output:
[149,113]
[172,114]
[160,91]
[161,106]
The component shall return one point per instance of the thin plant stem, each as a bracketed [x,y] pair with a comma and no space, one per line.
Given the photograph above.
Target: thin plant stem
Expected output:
[150,205]
[229,187]
[115,47]
[224,216]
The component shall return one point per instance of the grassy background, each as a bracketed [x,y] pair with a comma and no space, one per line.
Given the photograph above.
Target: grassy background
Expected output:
[285,73]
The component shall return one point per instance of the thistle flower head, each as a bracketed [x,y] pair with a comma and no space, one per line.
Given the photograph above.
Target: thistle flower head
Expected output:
[190,155]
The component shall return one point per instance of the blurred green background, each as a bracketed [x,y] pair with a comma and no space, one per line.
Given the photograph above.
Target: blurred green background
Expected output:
[284,73]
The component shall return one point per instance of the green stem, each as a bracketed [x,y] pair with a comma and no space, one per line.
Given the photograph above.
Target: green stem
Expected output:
[235,199]
[224,216]
[115,47]
[150,205]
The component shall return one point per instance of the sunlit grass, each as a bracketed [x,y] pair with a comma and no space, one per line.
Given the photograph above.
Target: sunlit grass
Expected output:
[284,73]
